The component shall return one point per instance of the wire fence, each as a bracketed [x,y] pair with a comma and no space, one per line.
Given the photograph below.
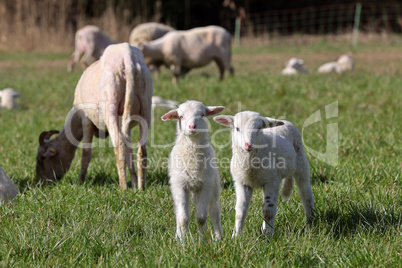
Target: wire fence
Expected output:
[331,19]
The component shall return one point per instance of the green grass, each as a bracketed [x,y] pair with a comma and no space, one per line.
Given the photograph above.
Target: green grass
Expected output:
[358,202]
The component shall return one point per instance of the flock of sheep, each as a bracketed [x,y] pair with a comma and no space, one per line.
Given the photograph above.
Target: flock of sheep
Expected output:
[115,94]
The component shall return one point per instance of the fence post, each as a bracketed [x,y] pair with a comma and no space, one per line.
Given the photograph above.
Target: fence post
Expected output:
[356,24]
[237,31]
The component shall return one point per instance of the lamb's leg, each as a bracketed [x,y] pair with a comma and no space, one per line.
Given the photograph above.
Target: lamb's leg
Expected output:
[88,132]
[243,197]
[215,213]
[306,194]
[181,205]
[201,201]
[270,196]
[142,160]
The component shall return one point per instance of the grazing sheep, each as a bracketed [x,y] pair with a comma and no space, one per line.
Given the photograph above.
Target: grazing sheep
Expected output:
[193,168]
[116,88]
[294,66]
[185,50]
[147,32]
[8,98]
[343,64]
[8,190]
[265,151]
[90,41]
[159,101]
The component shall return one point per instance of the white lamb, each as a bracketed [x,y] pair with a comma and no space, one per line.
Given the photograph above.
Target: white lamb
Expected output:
[8,190]
[193,168]
[294,66]
[265,151]
[343,64]
[90,41]
[8,98]
[159,101]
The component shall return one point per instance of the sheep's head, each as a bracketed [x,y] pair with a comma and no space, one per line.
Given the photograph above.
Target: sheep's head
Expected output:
[191,116]
[297,64]
[247,128]
[50,163]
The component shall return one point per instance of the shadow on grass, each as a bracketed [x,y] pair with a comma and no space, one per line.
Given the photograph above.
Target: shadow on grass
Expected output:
[352,218]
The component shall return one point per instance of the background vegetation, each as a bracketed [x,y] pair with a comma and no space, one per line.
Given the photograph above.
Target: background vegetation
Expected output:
[358,202]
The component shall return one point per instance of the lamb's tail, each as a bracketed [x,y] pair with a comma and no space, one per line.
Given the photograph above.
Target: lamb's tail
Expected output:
[287,187]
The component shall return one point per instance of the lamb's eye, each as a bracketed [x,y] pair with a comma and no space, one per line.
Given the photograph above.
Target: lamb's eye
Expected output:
[237,129]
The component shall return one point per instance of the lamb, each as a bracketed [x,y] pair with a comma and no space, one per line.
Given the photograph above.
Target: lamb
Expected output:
[294,66]
[185,50]
[8,98]
[159,101]
[343,64]
[265,151]
[90,41]
[8,190]
[116,88]
[147,32]
[192,168]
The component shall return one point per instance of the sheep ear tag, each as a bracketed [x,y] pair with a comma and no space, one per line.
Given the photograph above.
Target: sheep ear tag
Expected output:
[51,151]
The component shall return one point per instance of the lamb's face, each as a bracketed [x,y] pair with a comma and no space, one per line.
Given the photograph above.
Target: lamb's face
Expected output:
[247,130]
[191,117]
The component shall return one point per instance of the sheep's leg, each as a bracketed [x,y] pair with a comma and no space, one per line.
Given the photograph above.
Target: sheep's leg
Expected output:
[119,147]
[221,66]
[243,197]
[215,213]
[201,201]
[176,69]
[88,132]
[181,204]
[306,194]
[142,156]
[130,160]
[270,197]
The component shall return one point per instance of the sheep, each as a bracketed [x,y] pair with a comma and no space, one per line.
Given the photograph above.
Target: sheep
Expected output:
[185,50]
[294,66]
[147,32]
[90,41]
[265,151]
[8,190]
[8,98]
[112,96]
[343,64]
[159,101]
[192,168]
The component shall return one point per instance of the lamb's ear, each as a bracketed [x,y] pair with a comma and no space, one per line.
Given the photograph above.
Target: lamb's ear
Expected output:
[172,114]
[226,120]
[270,122]
[51,151]
[213,110]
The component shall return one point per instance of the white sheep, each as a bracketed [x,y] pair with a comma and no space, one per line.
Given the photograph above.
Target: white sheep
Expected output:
[147,32]
[112,96]
[193,168]
[265,151]
[8,190]
[343,64]
[90,41]
[294,66]
[8,98]
[159,101]
[185,50]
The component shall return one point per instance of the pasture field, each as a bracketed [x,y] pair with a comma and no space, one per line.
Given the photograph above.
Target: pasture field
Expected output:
[358,202]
